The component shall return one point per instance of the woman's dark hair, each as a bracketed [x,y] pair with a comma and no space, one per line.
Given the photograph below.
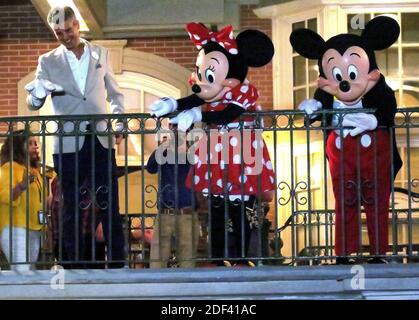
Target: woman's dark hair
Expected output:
[16,144]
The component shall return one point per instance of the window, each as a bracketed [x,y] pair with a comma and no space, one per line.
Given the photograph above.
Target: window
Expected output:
[140,91]
[399,62]
[305,71]
[315,200]
[410,157]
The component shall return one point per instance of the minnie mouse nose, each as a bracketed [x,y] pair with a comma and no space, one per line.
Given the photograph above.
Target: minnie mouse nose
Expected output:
[344,86]
[196,88]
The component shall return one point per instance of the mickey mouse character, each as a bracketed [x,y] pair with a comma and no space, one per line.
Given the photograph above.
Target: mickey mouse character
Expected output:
[349,78]
[221,94]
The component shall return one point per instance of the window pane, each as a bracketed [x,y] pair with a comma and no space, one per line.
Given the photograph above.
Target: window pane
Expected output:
[132,100]
[149,99]
[391,15]
[410,94]
[299,70]
[387,61]
[299,96]
[356,22]
[398,182]
[298,25]
[410,62]
[414,158]
[410,27]
[311,91]
[398,101]
[312,24]
[295,26]
[313,73]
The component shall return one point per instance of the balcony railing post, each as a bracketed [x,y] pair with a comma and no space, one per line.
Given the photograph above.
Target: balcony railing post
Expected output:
[311,224]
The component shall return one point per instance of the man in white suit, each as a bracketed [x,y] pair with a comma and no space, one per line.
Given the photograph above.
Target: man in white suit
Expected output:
[79,78]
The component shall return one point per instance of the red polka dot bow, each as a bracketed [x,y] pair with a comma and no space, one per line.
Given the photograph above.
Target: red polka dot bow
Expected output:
[200,36]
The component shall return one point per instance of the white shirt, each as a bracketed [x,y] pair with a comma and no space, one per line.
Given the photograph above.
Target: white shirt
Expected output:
[80,68]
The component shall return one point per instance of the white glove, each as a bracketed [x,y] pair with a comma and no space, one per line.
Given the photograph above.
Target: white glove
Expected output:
[163,106]
[39,89]
[185,119]
[310,105]
[360,121]
[119,127]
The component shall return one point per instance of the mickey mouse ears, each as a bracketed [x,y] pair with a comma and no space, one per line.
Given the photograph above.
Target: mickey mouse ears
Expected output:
[379,33]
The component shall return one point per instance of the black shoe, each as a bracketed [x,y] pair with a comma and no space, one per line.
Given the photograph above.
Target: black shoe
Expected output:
[344,261]
[377,261]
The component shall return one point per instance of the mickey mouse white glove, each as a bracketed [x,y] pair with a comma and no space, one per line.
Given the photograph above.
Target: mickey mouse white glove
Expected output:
[310,105]
[39,89]
[163,106]
[185,119]
[360,121]
[119,126]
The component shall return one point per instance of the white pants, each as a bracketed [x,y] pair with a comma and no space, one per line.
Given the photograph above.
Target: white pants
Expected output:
[19,247]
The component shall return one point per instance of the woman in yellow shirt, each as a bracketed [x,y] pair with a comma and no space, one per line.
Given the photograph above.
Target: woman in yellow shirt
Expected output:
[20,209]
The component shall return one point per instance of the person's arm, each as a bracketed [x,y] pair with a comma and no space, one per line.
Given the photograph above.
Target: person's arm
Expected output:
[18,187]
[189,102]
[231,112]
[168,105]
[33,102]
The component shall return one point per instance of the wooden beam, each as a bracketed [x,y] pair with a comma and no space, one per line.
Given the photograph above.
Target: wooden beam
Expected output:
[42,6]
[89,16]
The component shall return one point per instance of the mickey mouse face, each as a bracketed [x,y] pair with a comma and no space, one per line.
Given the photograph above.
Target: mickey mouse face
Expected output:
[209,77]
[347,64]
[347,76]
[223,61]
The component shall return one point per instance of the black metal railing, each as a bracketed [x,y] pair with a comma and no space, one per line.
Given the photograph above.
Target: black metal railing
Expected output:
[295,224]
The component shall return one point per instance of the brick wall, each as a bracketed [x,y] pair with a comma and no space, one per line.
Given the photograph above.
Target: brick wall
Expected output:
[180,50]
[24,37]
[260,77]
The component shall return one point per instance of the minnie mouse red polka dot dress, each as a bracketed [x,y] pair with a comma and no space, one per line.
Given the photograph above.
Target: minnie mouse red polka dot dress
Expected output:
[235,165]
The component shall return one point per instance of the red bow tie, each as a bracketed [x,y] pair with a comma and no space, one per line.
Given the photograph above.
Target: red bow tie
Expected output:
[200,36]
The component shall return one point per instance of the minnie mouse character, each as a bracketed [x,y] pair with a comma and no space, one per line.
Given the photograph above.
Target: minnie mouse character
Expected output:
[359,158]
[221,95]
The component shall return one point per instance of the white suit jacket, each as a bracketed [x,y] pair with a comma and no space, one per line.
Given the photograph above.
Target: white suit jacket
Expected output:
[100,87]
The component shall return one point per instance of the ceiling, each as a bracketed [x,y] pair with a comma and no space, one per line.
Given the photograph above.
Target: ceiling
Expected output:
[113,19]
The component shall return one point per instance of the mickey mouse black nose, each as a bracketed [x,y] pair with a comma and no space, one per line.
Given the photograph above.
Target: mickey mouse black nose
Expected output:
[196,88]
[344,86]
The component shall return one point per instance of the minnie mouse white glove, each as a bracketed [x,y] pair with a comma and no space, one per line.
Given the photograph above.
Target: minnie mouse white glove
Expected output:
[163,106]
[310,105]
[185,119]
[39,89]
[360,121]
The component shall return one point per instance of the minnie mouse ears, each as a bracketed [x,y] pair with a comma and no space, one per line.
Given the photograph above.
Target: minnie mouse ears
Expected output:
[255,47]
[379,33]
